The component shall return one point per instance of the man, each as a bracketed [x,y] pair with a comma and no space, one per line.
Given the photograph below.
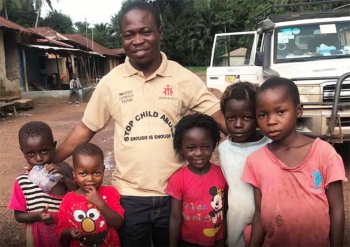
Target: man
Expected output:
[146,96]
[74,86]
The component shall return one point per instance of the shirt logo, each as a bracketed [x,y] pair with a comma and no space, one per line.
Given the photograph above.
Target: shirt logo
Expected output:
[168,91]
[317,177]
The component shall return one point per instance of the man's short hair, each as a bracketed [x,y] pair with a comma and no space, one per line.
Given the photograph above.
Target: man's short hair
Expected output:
[144,6]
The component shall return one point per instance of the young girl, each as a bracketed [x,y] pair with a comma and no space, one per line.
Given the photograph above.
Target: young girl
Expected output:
[90,215]
[238,107]
[31,204]
[297,180]
[197,189]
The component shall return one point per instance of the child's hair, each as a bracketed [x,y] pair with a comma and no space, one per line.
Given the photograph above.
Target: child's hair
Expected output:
[288,86]
[144,6]
[87,149]
[192,121]
[240,91]
[34,129]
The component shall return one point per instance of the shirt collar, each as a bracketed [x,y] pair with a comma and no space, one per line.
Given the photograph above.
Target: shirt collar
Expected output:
[163,70]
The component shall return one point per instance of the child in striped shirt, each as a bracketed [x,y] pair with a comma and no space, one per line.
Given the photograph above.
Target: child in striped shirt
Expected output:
[33,205]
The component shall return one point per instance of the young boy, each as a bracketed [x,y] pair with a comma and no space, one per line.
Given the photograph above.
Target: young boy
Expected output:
[297,180]
[238,106]
[32,205]
[90,215]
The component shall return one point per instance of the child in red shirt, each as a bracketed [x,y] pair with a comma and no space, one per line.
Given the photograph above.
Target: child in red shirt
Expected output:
[197,189]
[90,215]
[297,180]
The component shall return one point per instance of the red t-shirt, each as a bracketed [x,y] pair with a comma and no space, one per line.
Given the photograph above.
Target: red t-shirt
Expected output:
[76,212]
[294,205]
[203,204]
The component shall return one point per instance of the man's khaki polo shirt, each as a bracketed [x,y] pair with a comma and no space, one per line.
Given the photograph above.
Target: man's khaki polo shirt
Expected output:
[145,112]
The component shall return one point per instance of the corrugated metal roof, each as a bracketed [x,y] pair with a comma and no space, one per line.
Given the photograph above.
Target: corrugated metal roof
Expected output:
[240,52]
[119,51]
[45,47]
[48,33]
[11,25]
[92,45]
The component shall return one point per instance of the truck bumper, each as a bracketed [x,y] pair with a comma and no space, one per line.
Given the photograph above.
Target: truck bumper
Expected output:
[314,122]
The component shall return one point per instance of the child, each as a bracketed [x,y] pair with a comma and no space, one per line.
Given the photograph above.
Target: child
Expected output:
[198,189]
[90,215]
[297,180]
[238,107]
[31,205]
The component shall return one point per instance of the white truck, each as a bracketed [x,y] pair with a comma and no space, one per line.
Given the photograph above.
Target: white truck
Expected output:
[311,48]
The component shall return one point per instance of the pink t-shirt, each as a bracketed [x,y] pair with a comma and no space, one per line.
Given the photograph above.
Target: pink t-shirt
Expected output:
[294,206]
[28,197]
[203,204]
[76,212]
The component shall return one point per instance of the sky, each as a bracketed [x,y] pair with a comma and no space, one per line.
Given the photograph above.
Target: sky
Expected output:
[95,11]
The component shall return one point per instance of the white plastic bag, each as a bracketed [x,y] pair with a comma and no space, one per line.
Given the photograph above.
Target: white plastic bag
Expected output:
[39,176]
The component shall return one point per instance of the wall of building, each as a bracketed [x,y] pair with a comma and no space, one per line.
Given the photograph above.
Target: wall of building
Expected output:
[9,71]
[51,68]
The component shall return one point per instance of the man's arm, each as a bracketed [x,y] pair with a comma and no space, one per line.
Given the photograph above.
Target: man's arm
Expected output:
[336,213]
[175,222]
[220,120]
[80,134]
[258,234]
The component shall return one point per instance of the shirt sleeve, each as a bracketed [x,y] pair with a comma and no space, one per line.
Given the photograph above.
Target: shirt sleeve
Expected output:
[200,99]
[249,175]
[175,186]
[97,114]
[113,201]
[63,217]
[335,170]
[17,200]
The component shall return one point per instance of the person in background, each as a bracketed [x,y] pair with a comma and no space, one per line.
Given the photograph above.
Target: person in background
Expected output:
[74,86]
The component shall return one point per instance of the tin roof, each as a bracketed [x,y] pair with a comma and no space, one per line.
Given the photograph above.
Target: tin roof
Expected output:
[11,25]
[119,51]
[48,33]
[83,41]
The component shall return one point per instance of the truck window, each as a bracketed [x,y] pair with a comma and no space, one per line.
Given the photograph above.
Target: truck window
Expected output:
[315,41]
[233,50]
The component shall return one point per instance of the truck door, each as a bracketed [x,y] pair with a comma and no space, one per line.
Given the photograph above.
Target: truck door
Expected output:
[233,59]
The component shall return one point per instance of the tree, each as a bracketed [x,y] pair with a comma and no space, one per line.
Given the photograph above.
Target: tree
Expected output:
[59,22]
[38,6]
[23,15]
[5,3]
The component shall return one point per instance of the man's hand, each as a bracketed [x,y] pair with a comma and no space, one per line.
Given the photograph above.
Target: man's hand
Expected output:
[51,168]
[93,197]
[45,216]
[75,234]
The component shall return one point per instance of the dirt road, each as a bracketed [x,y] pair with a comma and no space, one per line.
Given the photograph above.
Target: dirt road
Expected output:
[62,118]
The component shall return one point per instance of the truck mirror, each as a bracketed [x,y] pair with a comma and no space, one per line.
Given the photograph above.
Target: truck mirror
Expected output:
[259,58]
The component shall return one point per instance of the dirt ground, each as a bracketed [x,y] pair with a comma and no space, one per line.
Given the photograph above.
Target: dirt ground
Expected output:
[62,118]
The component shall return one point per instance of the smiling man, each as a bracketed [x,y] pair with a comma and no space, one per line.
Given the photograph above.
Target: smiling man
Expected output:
[146,97]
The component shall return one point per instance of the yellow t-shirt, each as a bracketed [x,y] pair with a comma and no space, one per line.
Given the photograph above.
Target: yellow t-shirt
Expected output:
[145,112]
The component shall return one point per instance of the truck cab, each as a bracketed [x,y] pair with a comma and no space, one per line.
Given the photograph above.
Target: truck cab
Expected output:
[310,48]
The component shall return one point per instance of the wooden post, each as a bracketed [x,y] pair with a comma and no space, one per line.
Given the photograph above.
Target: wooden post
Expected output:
[58,72]
[25,69]
[73,63]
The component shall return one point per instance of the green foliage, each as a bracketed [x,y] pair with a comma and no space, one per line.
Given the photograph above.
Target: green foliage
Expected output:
[59,22]
[22,13]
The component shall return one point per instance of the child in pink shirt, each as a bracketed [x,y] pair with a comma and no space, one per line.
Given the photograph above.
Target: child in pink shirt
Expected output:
[297,180]
[32,204]
[198,189]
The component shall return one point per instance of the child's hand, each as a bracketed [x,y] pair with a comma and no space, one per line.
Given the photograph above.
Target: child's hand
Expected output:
[45,216]
[93,197]
[51,168]
[27,169]
[75,234]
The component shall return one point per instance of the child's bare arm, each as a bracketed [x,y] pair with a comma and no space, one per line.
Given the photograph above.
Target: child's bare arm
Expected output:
[69,234]
[44,216]
[113,218]
[175,222]
[258,234]
[65,170]
[336,213]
